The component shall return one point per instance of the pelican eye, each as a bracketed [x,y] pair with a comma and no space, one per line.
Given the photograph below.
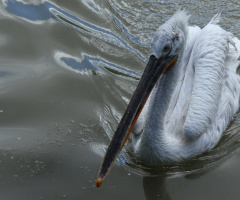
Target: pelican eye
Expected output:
[167,48]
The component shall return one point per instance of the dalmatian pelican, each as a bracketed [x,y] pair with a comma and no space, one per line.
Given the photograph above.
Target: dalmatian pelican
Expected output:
[187,95]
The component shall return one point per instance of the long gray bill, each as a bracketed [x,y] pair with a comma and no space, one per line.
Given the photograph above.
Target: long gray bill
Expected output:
[153,71]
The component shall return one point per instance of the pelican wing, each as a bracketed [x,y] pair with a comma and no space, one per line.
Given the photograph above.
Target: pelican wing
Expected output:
[209,61]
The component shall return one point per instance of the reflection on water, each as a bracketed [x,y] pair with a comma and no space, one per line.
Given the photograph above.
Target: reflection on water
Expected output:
[94,64]
[28,11]
[155,188]
[56,123]
[46,10]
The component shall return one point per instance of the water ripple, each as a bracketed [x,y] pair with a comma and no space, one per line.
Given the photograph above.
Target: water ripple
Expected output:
[93,30]
[28,11]
[94,64]
[46,10]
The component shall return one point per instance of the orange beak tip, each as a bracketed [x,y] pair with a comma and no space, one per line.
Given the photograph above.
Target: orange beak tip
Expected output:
[99,182]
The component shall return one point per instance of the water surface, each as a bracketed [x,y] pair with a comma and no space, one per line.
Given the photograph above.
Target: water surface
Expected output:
[67,72]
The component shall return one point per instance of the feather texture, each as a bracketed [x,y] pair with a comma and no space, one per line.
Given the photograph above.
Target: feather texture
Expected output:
[192,104]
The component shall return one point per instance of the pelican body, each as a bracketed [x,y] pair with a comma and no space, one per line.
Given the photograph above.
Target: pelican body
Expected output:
[186,96]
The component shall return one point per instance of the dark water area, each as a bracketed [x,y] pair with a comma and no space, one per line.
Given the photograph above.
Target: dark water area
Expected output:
[67,72]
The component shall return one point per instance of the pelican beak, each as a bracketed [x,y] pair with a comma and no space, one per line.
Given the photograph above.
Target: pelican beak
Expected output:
[153,71]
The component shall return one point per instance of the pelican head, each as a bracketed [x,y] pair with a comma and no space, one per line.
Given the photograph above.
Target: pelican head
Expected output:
[167,46]
[170,37]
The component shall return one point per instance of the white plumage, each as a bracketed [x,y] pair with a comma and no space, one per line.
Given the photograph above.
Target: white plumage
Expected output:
[193,102]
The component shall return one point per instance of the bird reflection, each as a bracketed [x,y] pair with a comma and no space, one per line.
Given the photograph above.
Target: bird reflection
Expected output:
[155,188]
